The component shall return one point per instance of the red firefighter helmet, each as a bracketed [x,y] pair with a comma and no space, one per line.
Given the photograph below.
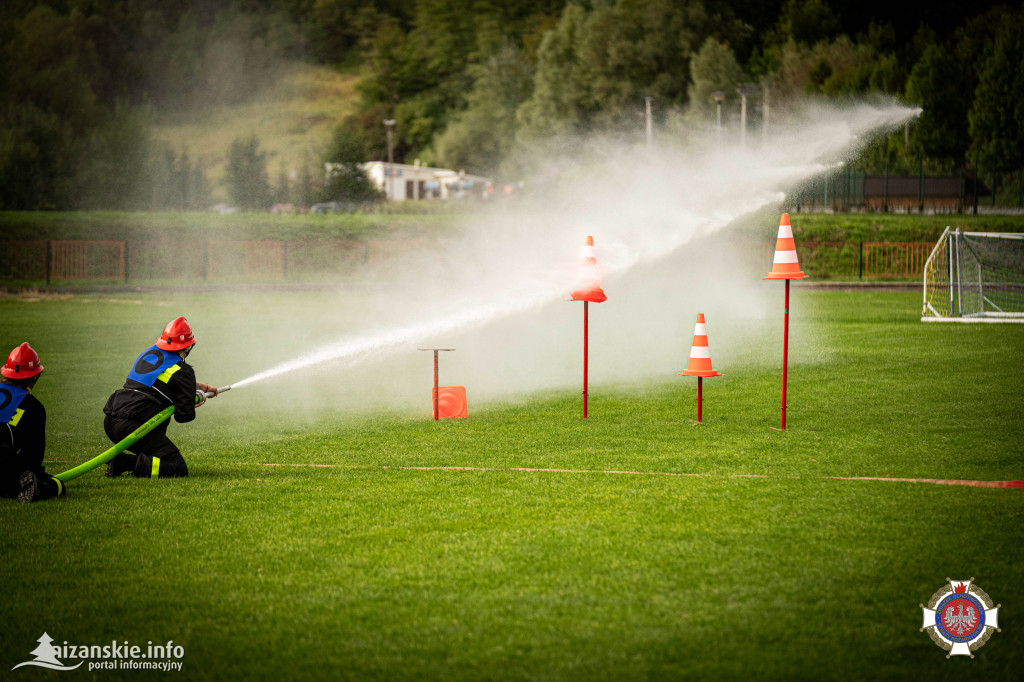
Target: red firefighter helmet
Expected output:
[22,363]
[177,335]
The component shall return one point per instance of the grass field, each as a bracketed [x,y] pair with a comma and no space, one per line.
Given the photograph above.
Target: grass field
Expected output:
[422,550]
[434,218]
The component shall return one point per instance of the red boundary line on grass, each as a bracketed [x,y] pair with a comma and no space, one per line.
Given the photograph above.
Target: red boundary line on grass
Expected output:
[937,481]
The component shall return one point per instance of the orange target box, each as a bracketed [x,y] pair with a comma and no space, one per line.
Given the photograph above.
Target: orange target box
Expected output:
[451,402]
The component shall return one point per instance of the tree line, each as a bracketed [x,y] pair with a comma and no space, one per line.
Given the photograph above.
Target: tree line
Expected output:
[471,82]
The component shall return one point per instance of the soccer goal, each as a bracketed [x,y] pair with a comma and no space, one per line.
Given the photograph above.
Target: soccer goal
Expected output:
[975,277]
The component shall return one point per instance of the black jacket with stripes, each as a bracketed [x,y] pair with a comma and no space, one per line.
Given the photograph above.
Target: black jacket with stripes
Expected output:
[138,402]
[22,445]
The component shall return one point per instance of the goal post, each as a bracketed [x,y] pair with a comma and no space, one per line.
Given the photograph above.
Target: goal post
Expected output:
[975,277]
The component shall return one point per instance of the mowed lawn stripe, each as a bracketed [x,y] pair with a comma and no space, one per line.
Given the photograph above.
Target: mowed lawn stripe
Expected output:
[976,484]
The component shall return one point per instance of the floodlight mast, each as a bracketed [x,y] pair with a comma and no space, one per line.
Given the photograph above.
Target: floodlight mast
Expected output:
[743,116]
[719,97]
[389,123]
[649,124]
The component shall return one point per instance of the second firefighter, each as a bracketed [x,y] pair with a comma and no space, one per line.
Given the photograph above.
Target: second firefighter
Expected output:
[159,378]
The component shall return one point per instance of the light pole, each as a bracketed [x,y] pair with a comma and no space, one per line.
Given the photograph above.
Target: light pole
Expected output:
[389,123]
[719,98]
[743,116]
[309,142]
[650,124]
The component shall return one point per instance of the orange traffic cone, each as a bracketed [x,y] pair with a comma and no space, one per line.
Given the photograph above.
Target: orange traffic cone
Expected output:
[700,361]
[590,277]
[785,265]
[700,355]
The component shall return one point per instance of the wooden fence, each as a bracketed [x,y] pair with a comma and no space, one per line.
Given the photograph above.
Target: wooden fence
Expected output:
[886,259]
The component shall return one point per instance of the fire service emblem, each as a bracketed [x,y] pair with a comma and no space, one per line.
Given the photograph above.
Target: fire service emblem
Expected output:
[960,617]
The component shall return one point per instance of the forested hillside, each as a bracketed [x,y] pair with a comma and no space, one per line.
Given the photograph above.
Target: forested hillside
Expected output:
[470,83]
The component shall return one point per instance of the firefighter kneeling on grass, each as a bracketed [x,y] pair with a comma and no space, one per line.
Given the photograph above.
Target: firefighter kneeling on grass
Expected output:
[23,430]
[159,378]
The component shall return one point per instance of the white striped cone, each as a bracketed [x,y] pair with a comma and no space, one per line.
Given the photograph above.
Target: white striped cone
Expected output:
[589,288]
[785,265]
[700,354]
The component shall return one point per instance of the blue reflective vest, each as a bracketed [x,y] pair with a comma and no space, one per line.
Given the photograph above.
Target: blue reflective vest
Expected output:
[10,397]
[155,364]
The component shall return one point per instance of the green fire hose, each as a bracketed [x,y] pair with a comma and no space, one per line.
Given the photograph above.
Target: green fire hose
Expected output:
[128,441]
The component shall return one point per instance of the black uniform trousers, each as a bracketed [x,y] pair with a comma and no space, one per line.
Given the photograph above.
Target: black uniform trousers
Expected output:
[156,455]
[21,449]
[11,469]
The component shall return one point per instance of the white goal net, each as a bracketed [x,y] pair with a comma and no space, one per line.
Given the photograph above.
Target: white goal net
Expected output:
[975,277]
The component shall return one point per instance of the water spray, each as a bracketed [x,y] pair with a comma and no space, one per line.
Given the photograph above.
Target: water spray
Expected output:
[128,441]
[630,198]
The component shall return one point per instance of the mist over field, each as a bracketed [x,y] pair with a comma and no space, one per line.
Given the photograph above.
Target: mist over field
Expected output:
[499,293]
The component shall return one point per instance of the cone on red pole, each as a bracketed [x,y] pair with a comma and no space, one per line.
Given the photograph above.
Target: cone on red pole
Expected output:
[700,361]
[785,266]
[589,291]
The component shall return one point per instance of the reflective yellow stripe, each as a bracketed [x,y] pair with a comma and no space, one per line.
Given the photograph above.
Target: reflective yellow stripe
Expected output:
[165,375]
[17,417]
[156,468]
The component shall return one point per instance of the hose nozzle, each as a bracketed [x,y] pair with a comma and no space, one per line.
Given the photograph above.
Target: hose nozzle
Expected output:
[219,391]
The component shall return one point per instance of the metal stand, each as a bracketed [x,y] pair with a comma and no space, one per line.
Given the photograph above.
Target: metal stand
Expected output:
[700,396]
[585,353]
[785,356]
[436,396]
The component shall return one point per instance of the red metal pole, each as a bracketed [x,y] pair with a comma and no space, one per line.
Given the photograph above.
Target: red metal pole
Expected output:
[785,356]
[585,352]
[436,411]
[700,395]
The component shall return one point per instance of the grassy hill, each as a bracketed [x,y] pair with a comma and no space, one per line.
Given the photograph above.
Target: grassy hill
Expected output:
[305,94]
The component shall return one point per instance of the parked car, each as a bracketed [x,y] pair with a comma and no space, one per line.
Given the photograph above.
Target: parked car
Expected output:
[334,207]
[352,206]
